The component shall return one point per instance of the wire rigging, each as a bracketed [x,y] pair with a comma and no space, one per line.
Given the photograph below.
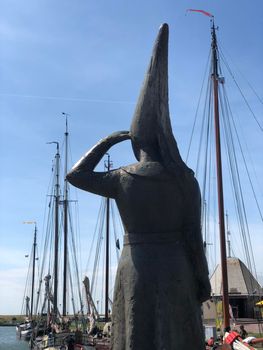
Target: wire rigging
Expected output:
[198,104]
[241,92]
[239,71]
[205,148]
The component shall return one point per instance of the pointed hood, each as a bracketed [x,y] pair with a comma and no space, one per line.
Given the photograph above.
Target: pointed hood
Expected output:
[151,123]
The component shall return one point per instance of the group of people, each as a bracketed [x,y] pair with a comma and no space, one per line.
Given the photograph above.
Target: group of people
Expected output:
[214,344]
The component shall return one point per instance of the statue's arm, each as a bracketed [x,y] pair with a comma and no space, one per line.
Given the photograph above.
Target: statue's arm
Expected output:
[195,244]
[83,175]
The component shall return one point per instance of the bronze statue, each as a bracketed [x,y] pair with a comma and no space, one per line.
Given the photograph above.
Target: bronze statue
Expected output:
[162,276]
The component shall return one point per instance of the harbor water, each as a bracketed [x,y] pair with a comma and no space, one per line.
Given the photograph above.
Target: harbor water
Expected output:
[9,341]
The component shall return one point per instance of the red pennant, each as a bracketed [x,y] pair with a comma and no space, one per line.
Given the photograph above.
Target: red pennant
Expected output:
[201,11]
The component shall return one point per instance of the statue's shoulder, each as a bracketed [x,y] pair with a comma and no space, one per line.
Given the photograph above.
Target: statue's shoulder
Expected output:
[192,184]
[148,169]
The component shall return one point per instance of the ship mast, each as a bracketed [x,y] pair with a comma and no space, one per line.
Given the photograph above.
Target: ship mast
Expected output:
[107,165]
[65,207]
[33,272]
[56,233]
[29,310]
[56,238]
[215,79]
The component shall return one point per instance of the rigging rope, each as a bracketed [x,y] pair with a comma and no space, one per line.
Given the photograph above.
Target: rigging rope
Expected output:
[243,156]
[98,247]
[236,182]
[198,104]
[74,258]
[234,173]
[206,145]
[26,290]
[241,92]
[114,230]
[249,84]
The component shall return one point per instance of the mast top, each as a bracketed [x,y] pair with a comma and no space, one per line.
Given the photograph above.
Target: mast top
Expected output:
[66,115]
[56,143]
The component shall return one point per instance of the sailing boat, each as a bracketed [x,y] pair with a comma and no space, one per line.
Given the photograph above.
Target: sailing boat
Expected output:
[218,106]
[59,229]
[100,288]
[24,330]
[59,328]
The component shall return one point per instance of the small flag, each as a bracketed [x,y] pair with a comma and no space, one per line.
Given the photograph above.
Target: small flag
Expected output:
[201,11]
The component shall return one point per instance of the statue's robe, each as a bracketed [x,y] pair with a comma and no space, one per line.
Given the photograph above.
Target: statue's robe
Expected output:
[162,276]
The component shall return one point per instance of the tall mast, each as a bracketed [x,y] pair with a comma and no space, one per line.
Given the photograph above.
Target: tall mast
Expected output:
[56,238]
[30,313]
[33,271]
[215,80]
[107,165]
[56,234]
[65,206]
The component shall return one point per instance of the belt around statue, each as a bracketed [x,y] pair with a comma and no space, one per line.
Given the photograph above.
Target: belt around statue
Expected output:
[152,238]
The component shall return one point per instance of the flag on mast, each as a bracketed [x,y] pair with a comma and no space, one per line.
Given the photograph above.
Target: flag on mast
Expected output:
[201,11]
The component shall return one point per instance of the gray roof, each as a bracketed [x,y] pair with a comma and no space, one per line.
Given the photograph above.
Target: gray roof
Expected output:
[240,279]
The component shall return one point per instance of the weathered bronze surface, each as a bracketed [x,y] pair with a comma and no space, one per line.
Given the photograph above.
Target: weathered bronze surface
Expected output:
[162,277]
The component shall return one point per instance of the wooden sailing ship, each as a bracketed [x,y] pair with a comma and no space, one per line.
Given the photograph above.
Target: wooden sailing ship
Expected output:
[55,315]
[24,329]
[219,109]
[64,326]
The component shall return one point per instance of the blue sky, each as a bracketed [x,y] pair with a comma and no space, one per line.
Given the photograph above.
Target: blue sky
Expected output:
[88,59]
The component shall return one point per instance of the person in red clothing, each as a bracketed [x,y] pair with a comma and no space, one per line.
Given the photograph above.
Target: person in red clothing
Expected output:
[211,341]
